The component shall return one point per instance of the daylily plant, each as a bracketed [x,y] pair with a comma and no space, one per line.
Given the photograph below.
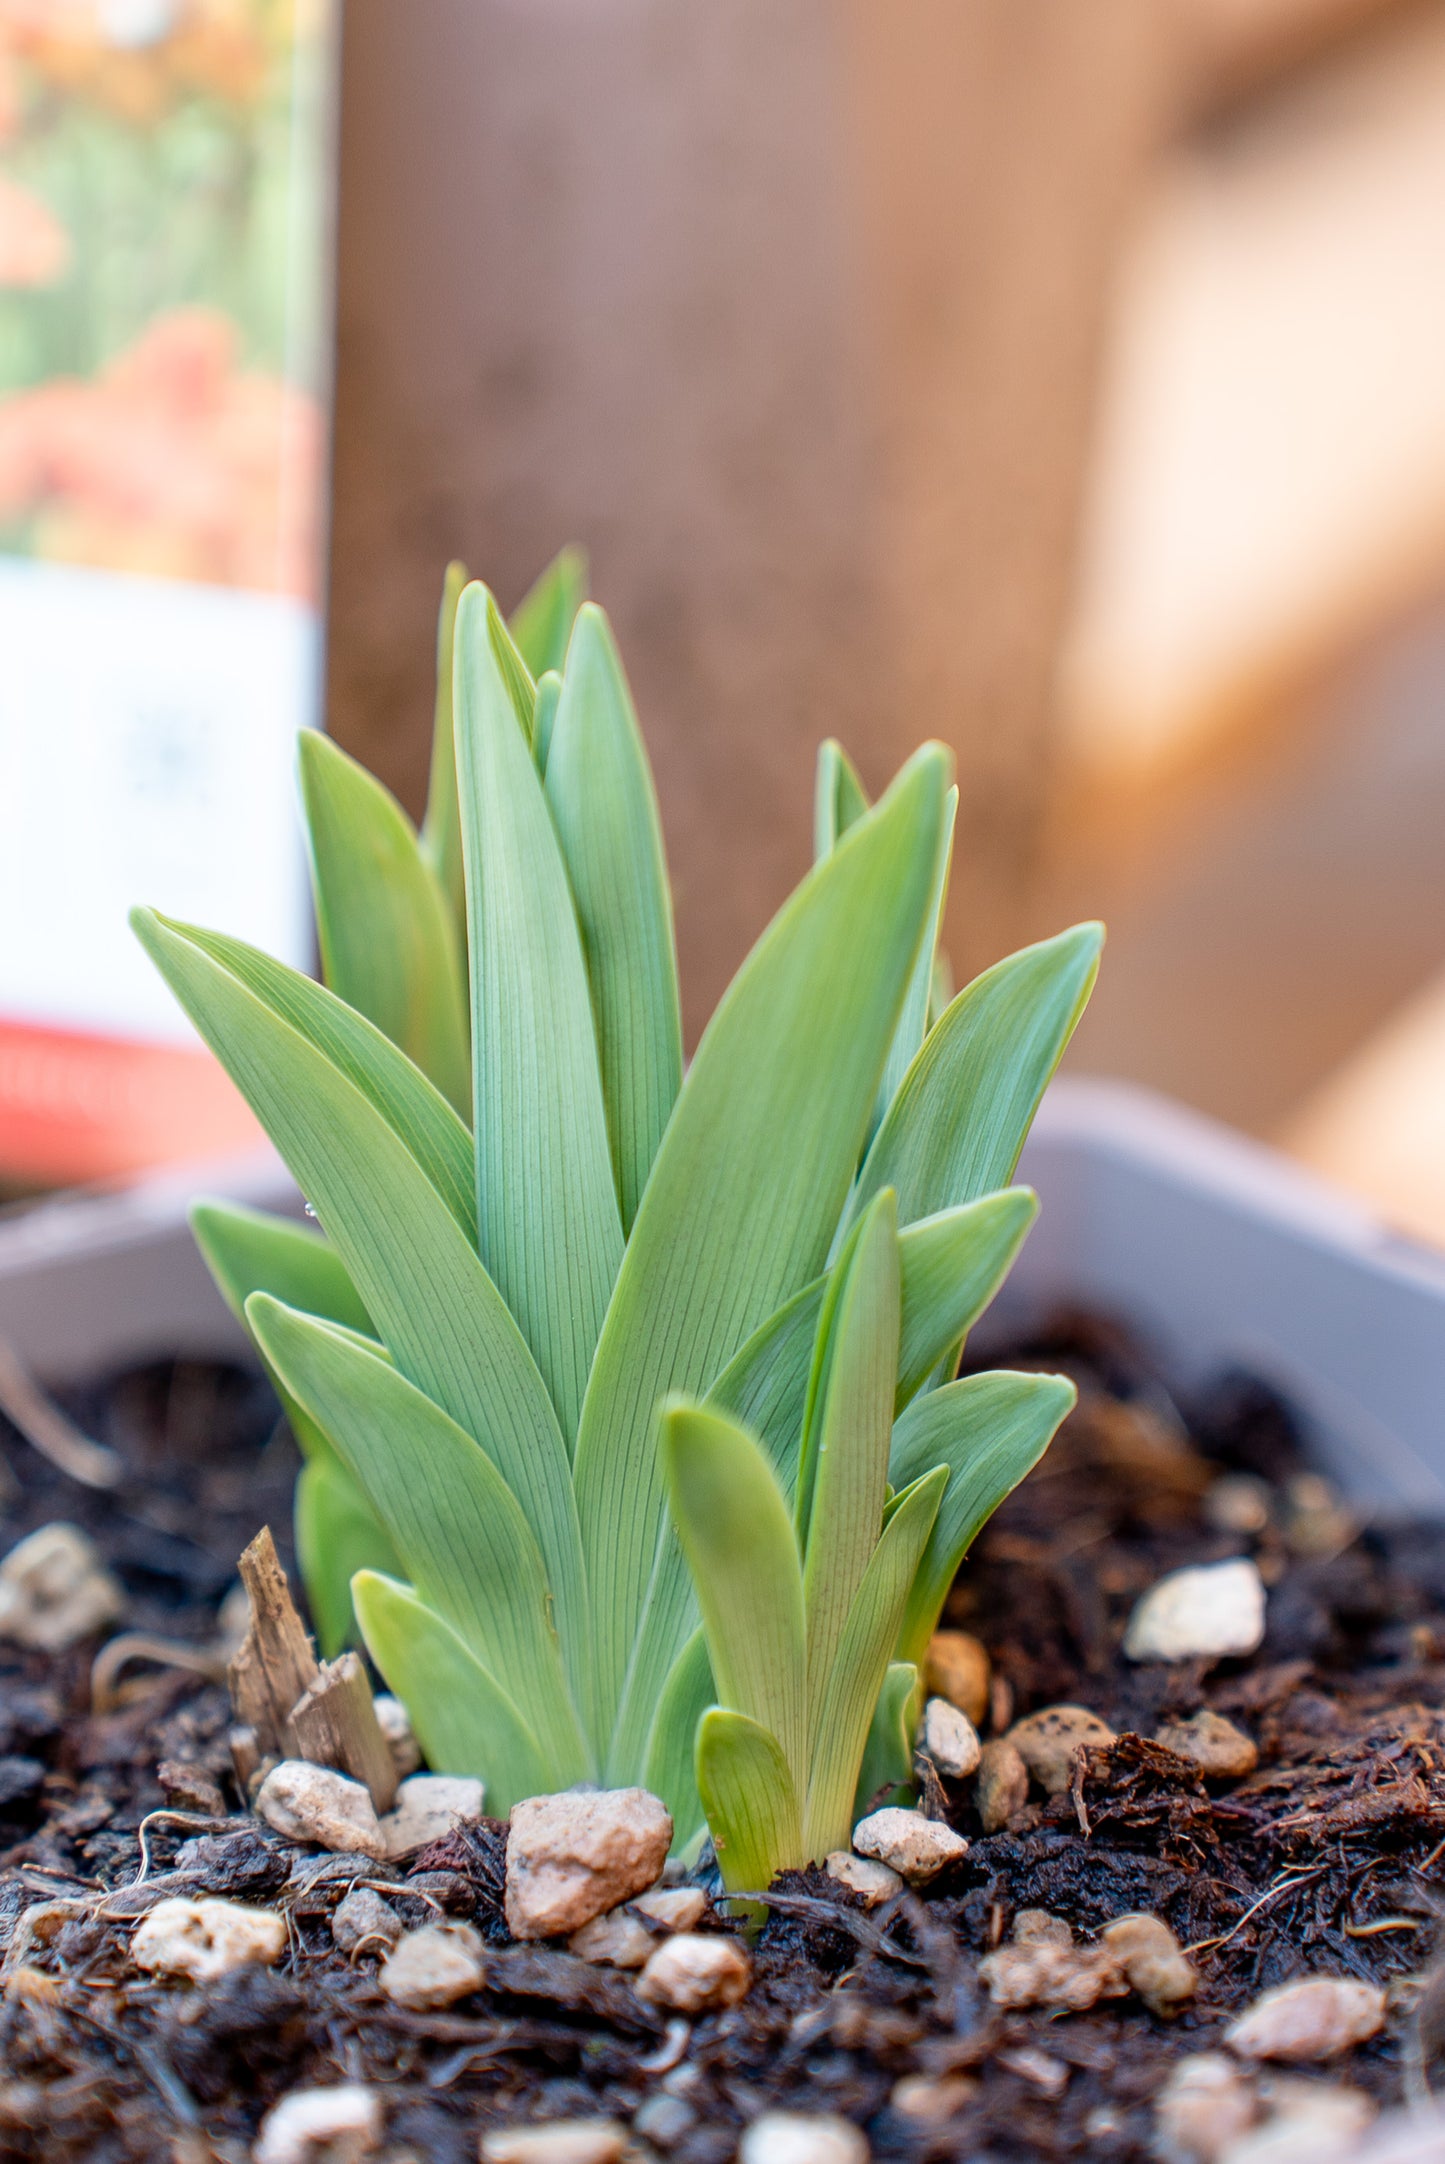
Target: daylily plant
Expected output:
[631,1444]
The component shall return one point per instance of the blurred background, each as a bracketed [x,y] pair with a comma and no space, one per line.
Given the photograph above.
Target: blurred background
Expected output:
[1063,378]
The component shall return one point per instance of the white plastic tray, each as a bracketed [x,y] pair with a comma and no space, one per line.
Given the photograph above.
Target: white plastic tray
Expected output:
[1219,1251]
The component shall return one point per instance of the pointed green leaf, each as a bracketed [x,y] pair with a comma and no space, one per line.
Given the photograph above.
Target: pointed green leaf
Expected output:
[462,1540]
[417,1114]
[738,1539]
[547,1216]
[388,938]
[414,1270]
[670,1768]
[252,1251]
[744,1194]
[839,800]
[952,1265]
[750,1800]
[888,1754]
[957,1125]
[441,834]
[840,1499]
[464,1721]
[542,619]
[842,1713]
[544,720]
[599,788]
[337,1534]
[913,1022]
[989,1430]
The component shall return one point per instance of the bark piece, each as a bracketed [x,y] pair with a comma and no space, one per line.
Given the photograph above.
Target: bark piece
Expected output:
[335,1724]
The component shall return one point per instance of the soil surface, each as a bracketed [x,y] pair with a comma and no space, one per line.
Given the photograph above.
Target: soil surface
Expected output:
[1327,1858]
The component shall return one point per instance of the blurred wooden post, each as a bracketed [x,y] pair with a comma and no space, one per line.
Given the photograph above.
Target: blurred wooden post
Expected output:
[789,310]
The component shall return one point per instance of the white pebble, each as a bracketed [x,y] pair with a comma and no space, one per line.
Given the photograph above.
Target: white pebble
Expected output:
[54,1590]
[874,1881]
[394,1722]
[950,1739]
[428,1806]
[364,1917]
[1207,2103]
[559,2141]
[574,1856]
[691,1974]
[434,1967]
[1209,1612]
[205,1939]
[339,2125]
[917,1848]
[1315,2017]
[798,2137]
[317,1804]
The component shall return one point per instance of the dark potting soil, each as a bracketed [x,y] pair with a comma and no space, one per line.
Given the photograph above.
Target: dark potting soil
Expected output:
[1327,1858]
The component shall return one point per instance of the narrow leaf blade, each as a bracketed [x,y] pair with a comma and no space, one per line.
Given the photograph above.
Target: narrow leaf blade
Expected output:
[337,1534]
[599,788]
[542,620]
[740,1209]
[750,1799]
[461,1538]
[415,1272]
[736,1534]
[671,1764]
[547,1216]
[958,1123]
[388,937]
[464,1721]
[842,1713]
[441,834]
[888,1753]
[952,1265]
[989,1430]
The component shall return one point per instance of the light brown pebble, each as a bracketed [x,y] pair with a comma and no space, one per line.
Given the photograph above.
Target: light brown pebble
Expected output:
[559,2141]
[1036,1927]
[1221,1751]
[1046,1742]
[1308,2122]
[957,1667]
[618,1940]
[932,2103]
[317,1804]
[1002,1786]
[573,1856]
[676,1908]
[205,1939]
[428,1807]
[1039,2068]
[54,1589]
[1207,2103]
[950,1739]
[799,2137]
[1315,2017]
[1150,1956]
[394,1722]
[363,1917]
[339,2123]
[691,1974]
[434,1967]
[863,1875]
[1072,1978]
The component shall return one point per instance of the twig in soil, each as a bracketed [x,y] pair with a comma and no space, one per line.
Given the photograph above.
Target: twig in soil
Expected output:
[1285,1885]
[206,1661]
[1381,1923]
[188,1821]
[46,1428]
[675,2039]
[835,1912]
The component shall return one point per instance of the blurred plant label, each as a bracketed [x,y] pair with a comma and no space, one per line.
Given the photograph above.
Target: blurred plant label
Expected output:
[165,179]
